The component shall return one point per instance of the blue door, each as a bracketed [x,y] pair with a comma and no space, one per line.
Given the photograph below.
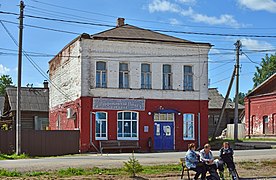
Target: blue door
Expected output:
[163,135]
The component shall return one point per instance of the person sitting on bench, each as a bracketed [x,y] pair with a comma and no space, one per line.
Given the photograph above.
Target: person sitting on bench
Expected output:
[207,157]
[193,163]
[226,157]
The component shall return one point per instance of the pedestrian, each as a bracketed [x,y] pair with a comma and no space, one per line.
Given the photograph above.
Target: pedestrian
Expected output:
[226,157]
[207,157]
[193,163]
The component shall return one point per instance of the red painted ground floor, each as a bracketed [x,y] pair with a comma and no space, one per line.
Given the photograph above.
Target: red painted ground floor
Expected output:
[158,125]
[260,115]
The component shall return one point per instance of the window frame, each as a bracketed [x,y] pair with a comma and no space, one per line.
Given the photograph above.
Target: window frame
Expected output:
[168,76]
[124,74]
[101,75]
[144,75]
[106,127]
[184,126]
[137,126]
[188,74]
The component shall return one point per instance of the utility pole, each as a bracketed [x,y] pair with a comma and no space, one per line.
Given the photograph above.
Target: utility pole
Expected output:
[238,46]
[18,103]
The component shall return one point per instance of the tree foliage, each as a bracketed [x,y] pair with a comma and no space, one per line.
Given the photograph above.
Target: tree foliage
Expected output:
[266,69]
[241,97]
[5,80]
[132,166]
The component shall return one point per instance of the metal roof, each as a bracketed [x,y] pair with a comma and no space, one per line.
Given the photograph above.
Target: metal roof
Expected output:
[216,100]
[32,99]
[129,32]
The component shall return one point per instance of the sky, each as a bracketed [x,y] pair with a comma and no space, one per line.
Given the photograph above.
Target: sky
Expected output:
[217,22]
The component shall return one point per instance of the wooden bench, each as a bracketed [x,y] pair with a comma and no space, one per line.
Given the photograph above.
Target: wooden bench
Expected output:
[119,144]
[184,168]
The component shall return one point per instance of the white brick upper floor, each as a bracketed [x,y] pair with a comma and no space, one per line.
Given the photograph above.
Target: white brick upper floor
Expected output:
[76,76]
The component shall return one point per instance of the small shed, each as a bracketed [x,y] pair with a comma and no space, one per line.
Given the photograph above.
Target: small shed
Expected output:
[34,107]
[214,109]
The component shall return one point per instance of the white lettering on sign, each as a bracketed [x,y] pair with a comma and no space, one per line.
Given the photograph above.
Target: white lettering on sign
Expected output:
[119,104]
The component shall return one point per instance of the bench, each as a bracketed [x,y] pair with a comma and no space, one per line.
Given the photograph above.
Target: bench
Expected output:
[119,144]
[184,168]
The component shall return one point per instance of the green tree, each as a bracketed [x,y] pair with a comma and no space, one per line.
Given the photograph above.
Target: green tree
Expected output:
[132,166]
[5,80]
[241,98]
[266,69]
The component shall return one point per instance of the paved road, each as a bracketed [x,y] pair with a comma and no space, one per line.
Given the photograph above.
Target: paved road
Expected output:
[116,160]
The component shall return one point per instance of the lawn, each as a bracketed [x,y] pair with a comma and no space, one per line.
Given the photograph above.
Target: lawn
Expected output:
[169,171]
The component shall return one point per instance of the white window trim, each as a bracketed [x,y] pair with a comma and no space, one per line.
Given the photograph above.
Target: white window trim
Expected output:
[106,128]
[193,85]
[129,138]
[166,120]
[101,75]
[184,138]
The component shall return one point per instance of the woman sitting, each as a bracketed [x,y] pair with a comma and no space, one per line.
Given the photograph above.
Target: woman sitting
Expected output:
[192,162]
[207,157]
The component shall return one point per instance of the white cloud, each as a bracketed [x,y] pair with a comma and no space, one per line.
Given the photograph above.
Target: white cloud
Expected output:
[163,6]
[225,19]
[191,2]
[259,5]
[167,6]
[3,69]
[252,44]
[174,21]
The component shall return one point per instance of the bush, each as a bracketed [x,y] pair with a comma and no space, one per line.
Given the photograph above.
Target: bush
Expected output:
[132,166]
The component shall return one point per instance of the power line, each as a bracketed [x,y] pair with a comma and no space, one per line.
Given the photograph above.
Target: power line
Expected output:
[157,30]
[250,58]
[140,20]
[34,64]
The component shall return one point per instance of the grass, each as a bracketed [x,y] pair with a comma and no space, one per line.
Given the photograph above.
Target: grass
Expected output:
[148,170]
[13,156]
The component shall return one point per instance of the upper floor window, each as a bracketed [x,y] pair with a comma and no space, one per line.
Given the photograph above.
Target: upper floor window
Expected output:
[188,127]
[101,75]
[145,76]
[188,78]
[127,125]
[123,75]
[101,125]
[167,76]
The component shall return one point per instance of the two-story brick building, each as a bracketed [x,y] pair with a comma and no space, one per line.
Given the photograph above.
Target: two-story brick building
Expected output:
[129,83]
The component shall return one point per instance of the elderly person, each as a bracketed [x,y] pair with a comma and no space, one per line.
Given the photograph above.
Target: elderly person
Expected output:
[207,157]
[226,157]
[193,163]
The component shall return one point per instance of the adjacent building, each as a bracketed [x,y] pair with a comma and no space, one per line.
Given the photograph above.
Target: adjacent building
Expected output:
[34,108]
[131,84]
[260,109]
[215,107]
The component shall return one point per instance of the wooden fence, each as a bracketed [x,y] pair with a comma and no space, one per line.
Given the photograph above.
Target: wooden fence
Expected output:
[41,143]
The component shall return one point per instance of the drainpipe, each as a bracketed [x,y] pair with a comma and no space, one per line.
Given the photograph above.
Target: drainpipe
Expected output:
[198,133]
[249,117]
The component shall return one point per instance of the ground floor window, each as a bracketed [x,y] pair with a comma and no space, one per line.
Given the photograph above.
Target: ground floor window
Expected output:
[101,125]
[127,125]
[188,127]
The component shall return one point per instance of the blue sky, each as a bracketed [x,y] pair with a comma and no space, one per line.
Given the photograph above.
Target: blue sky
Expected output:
[246,17]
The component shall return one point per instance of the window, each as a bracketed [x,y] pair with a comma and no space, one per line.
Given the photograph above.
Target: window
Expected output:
[128,125]
[188,78]
[163,116]
[188,127]
[101,125]
[145,76]
[167,77]
[101,75]
[123,76]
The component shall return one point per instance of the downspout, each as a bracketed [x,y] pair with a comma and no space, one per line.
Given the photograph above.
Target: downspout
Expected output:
[249,117]
[90,133]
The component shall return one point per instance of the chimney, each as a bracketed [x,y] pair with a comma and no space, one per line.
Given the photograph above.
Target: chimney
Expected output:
[120,22]
[45,83]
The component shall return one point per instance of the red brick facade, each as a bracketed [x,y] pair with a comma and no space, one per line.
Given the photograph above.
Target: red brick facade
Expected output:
[83,112]
[260,109]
